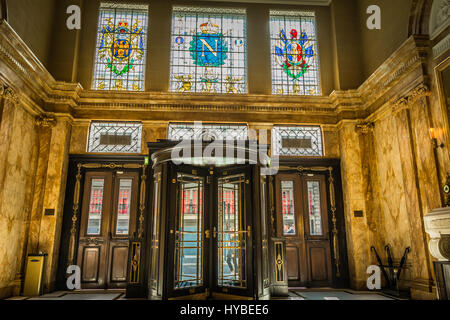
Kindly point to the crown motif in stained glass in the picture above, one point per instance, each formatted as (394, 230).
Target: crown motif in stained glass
(208, 47)
(209, 28)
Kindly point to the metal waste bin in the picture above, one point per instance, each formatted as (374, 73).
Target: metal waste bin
(34, 275)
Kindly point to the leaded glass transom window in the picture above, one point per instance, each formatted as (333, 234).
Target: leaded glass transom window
(115, 137)
(121, 47)
(297, 141)
(295, 58)
(208, 50)
(206, 132)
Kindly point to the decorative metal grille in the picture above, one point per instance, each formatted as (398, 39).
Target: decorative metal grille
(295, 58)
(207, 132)
(115, 137)
(208, 50)
(121, 47)
(297, 141)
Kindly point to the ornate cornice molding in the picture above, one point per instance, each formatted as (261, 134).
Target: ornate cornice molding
(45, 122)
(7, 93)
(408, 59)
(406, 101)
(364, 128)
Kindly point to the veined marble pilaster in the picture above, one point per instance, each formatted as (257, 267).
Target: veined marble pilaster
(374, 218)
(354, 199)
(53, 196)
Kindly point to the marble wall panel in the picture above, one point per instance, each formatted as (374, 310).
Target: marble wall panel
(79, 136)
(18, 167)
(331, 143)
(392, 196)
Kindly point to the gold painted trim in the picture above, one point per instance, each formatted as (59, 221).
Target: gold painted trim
(135, 262)
(334, 220)
(76, 202)
(142, 201)
(279, 262)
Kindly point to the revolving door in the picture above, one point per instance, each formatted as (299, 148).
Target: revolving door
(209, 237)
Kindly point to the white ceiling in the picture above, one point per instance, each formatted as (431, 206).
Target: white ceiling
(295, 2)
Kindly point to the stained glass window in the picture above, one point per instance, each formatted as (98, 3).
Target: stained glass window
(297, 141)
(121, 47)
(115, 137)
(197, 131)
(295, 59)
(209, 50)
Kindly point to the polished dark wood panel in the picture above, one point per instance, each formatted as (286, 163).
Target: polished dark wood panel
(119, 263)
(91, 262)
(308, 254)
(293, 267)
(103, 251)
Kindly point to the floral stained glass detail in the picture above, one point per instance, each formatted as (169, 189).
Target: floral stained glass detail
(121, 47)
(208, 50)
(295, 65)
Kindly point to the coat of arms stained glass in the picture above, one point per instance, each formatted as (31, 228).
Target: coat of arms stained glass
(121, 47)
(208, 52)
(295, 65)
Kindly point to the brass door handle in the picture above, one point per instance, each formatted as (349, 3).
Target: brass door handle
(249, 231)
(215, 233)
(207, 234)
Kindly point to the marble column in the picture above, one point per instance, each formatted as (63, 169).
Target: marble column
(53, 194)
(374, 217)
(358, 242)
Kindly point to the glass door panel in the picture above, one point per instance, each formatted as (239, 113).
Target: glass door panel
(123, 207)
(314, 209)
(288, 208)
(95, 207)
(189, 227)
(231, 232)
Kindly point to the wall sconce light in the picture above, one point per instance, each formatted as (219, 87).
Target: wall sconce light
(434, 139)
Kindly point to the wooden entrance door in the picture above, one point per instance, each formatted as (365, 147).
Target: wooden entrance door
(108, 216)
(303, 222)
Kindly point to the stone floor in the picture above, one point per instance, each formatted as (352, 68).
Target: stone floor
(294, 294)
(332, 294)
